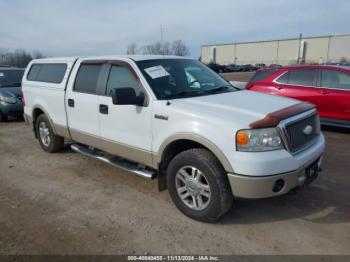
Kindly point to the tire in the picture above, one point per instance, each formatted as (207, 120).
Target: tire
(3, 117)
(48, 141)
(212, 179)
(21, 118)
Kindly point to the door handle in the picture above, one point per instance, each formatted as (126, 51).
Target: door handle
(71, 102)
(104, 109)
(278, 87)
(323, 92)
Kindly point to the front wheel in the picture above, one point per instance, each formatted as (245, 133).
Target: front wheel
(47, 139)
(198, 185)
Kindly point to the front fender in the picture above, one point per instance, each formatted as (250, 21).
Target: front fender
(198, 139)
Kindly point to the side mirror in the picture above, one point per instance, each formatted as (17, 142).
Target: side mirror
(127, 96)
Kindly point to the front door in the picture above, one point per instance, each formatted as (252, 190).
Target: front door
(299, 84)
(125, 129)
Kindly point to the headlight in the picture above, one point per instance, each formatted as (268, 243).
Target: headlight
(8, 100)
(257, 140)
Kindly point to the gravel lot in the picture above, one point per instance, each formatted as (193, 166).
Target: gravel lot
(66, 203)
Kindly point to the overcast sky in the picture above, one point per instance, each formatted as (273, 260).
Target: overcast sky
(92, 27)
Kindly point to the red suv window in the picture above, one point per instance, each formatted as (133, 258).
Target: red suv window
(263, 75)
(335, 79)
(301, 77)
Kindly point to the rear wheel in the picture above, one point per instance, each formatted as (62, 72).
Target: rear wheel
(47, 139)
(198, 185)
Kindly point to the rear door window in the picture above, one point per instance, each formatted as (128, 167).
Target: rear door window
(335, 79)
(51, 73)
(87, 79)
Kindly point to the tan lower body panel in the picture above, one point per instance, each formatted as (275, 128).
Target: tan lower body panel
(58, 129)
(262, 187)
(61, 131)
(133, 154)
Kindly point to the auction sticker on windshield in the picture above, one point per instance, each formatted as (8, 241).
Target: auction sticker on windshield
(156, 72)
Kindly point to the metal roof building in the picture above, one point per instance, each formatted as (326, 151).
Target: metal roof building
(320, 49)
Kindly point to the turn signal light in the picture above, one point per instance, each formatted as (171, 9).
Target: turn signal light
(242, 138)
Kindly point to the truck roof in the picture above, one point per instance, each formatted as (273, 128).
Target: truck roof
(110, 57)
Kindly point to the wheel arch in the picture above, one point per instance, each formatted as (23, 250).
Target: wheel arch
(36, 112)
(182, 142)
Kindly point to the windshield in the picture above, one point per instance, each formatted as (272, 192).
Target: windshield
(11, 78)
(176, 78)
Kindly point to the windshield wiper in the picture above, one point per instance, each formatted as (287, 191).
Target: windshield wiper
(199, 92)
(220, 88)
(185, 93)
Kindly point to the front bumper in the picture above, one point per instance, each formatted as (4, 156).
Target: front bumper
(15, 110)
(259, 164)
(269, 186)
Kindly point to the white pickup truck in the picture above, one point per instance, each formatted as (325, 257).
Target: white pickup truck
(173, 118)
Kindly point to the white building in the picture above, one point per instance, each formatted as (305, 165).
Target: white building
(319, 49)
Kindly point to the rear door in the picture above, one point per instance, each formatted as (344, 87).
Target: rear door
(82, 103)
(334, 98)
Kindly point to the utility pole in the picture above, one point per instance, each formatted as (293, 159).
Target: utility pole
(162, 38)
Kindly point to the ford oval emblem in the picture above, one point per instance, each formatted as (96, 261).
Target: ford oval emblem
(307, 130)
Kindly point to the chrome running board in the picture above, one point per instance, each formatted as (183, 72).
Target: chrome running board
(114, 161)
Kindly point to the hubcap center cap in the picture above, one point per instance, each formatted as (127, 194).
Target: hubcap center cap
(193, 187)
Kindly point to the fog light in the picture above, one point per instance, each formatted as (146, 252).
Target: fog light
(279, 185)
(302, 179)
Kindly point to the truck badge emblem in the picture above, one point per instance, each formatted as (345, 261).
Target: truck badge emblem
(307, 130)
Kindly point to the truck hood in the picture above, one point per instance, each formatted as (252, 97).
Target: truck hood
(244, 107)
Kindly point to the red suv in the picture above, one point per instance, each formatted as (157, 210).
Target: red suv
(328, 87)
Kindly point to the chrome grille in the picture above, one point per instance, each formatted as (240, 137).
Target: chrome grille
(297, 132)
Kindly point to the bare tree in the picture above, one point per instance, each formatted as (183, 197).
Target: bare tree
(157, 48)
(19, 58)
(132, 49)
(37, 55)
(166, 48)
(152, 49)
(179, 48)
